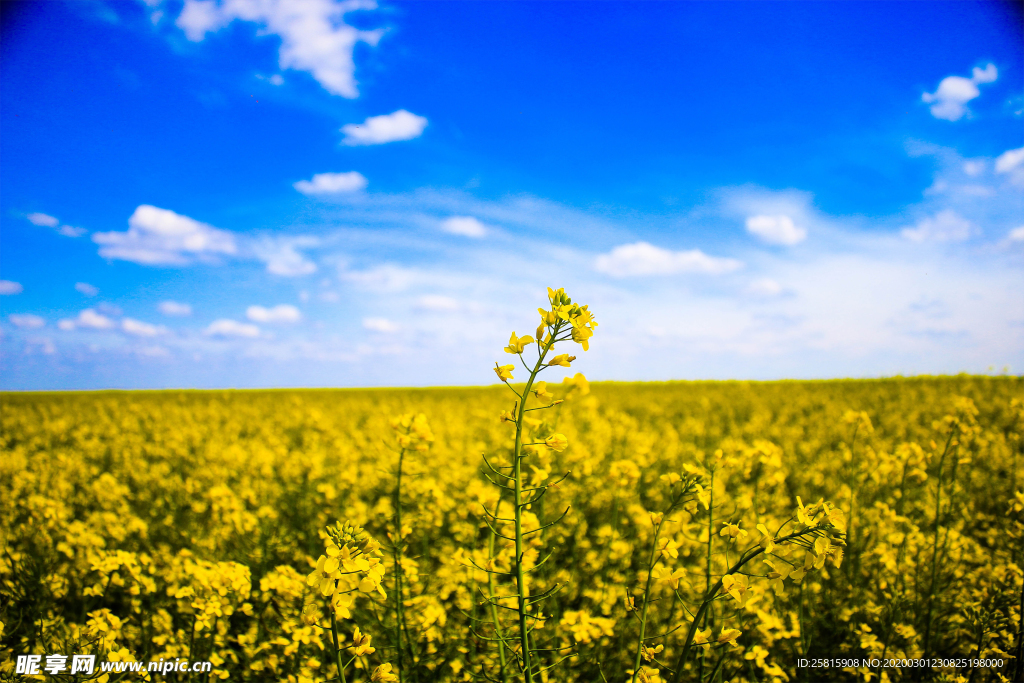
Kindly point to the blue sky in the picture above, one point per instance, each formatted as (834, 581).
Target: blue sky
(249, 193)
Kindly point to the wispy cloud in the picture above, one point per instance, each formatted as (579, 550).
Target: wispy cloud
(10, 287)
(86, 289)
(282, 313)
(141, 329)
(376, 130)
(89, 319)
(380, 325)
(225, 327)
(467, 226)
(945, 226)
(42, 219)
(174, 308)
(27, 320)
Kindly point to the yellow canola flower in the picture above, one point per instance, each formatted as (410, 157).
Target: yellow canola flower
(557, 442)
(702, 638)
(540, 390)
(504, 372)
(729, 636)
(703, 495)
(766, 541)
(776, 576)
(507, 416)
(578, 382)
(361, 643)
(649, 653)
(733, 531)
(668, 548)
(382, 674)
(736, 585)
(517, 344)
(562, 360)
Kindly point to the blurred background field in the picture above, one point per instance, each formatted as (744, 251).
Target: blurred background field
(165, 524)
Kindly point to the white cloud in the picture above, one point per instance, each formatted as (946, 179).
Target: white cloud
(314, 36)
(162, 237)
(776, 230)
(42, 219)
(141, 329)
(87, 289)
(954, 92)
(642, 258)
(69, 231)
(282, 313)
(1016, 235)
(88, 318)
(764, 287)
(26, 320)
(945, 226)
(466, 226)
(974, 168)
(331, 183)
(231, 328)
(282, 256)
(376, 130)
(174, 308)
(1009, 160)
(384, 278)
(437, 302)
(10, 287)
(276, 79)
(380, 325)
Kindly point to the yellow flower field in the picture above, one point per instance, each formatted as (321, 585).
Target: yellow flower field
(714, 530)
(132, 519)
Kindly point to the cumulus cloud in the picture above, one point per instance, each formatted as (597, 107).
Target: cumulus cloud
(642, 258)
(437, 302)
(87, 289)
(225, 327)
(1009, 160)
(162, 237)
(776, 230)
(332, 183)
(950, 100)
(43, 220)
(141, 329)
(945, 226)
(90, 319)
(282, 313)
(26, 320)
(314, 35)
(174, 308)
(1016, 235)
(283, 257)
(466, 226)
(376, 130)
(380, 325)
(10, 287)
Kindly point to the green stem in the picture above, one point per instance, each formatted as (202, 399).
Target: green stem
(521, 589)
(710, 596)
(397, 552)
(337, 648)
(935, 547)
(494, 608)
(647, 601)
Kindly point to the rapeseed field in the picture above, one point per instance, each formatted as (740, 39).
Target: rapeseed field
(540, 530)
